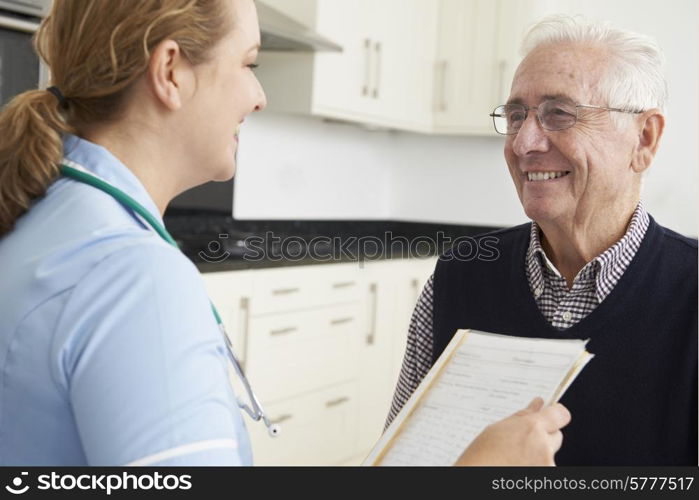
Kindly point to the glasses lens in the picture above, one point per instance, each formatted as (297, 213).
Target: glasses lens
(508, 119)
(558, 114)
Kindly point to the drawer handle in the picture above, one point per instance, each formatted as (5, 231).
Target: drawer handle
(377, 84)
(373, 290)
(341, 321)
(283, 331)
(336, 402)
(281, 418)
(367, 67)
(245, 310)
(344, 284)
(285, 291)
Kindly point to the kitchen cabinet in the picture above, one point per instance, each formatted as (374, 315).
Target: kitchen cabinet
(420, 65)
(468, 74)
(382, 77)
(322, 347)
(477, 55)
(318, 428)
(395, 287)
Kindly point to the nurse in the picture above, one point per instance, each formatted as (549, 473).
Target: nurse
(109, 352)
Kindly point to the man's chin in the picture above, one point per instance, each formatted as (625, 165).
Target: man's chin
(542, 211)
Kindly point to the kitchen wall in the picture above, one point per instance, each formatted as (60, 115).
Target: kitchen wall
(294, 167)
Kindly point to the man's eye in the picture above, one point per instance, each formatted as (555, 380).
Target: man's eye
(560, 112)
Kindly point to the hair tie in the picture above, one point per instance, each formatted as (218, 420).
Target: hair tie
(59, 95)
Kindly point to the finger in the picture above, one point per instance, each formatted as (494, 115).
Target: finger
(535, 405)
(555, 417)
(556, 441)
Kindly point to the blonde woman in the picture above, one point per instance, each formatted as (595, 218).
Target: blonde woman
(109, 351)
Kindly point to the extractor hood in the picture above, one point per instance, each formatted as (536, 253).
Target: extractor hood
(282, 33)
(279, 31)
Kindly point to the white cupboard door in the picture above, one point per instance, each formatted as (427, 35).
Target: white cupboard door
(468, 76)
(318, 428)
(403, 46)
(375, 376)
(296, 352)
(342, 81)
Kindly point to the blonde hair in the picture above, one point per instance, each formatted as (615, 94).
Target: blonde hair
(96, 51)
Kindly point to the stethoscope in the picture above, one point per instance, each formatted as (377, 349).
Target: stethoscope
(80, 174)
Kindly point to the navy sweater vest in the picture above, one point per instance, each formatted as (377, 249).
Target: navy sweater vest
(635, 403)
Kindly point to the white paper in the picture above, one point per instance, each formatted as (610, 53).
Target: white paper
(489, 377)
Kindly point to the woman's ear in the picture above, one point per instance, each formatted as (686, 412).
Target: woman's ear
(652, 124)
(170, 76)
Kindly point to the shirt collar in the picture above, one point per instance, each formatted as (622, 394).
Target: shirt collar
(102, 163)
(614, 261)
(607, 267)
(536, 260)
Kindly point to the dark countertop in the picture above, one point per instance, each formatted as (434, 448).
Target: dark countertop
(215, 242)
(242, 264)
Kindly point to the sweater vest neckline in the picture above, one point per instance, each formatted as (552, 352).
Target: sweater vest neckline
(596, 319)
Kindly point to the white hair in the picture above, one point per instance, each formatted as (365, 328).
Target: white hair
(634, 79)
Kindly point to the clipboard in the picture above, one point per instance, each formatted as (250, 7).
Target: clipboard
(577, 359)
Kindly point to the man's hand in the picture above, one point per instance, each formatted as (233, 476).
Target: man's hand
(529, 437)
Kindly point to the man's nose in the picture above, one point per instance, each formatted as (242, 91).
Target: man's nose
(531, 138)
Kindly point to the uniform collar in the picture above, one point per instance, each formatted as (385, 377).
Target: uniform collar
(99, 161)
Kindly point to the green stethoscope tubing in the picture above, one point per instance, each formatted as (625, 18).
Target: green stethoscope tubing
(256, 412)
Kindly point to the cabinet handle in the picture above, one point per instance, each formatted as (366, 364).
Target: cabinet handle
(283, 331)
(443, 86)
(336, 402)
(245, 309)
(371, 337)
(285, 291)
(377, 83)
(345, 284)
(415, 284)
(502, 68)
(341, 321)
(367, 67)
(281, 418)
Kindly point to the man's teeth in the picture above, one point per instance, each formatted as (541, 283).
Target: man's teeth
(544, 176)
(237, 129)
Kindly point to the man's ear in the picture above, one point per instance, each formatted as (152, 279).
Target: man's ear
(170, 76)
(652, 124)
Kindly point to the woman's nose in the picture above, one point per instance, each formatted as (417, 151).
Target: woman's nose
(261, 99)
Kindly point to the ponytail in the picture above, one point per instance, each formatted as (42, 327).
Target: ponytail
(31, 149)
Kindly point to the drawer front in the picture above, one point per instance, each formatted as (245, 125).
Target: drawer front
(282, 290)
(293, 353)
(316, 429)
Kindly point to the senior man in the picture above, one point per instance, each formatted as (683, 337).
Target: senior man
(582, 125)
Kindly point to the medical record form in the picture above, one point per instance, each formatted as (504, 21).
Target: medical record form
(480, 378)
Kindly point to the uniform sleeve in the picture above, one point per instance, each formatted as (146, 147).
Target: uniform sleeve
(418, 354)
(145, 368)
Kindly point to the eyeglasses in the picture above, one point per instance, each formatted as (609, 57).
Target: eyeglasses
(553, 114)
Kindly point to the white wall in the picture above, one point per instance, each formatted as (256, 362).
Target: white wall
(302, 168)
